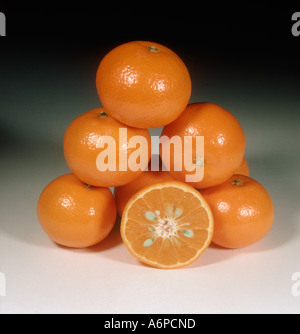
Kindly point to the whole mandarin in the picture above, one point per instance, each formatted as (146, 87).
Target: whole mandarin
(74, 214)
(243, 211)
(143, 84)
(224, 144)
(103, 152)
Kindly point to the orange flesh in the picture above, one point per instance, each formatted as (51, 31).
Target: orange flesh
(167, 225)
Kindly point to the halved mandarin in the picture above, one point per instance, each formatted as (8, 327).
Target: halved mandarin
(167, 225)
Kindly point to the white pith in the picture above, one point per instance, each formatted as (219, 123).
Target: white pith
(168, 226)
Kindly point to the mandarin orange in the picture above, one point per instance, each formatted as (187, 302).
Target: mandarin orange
(224, 144)
(74, 214)
(167, 225)
(103, 152)
(143, 84)
(243, 211)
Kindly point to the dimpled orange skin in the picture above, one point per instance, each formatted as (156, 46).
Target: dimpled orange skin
(74, 215)
(224, 142)
(147, 178)
(143, 84)
(243, 211)
(81, 153)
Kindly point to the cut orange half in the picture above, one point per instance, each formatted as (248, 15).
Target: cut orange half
(167, 225)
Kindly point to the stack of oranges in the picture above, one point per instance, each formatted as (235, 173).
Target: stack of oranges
(167, 219)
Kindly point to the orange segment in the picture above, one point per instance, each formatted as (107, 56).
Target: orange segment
(167, 225)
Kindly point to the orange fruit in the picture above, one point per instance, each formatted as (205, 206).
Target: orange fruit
(243, 211)
(167, 225)
(224, 144)
(94, 144)
(74, 214)
(147, 178)
(143, 84)
(244, 168)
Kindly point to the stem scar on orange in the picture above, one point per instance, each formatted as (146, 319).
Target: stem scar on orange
(243, 211)
(143, 84)
(224, 143)
(74, 214)
(167, 225)
(86, 140)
